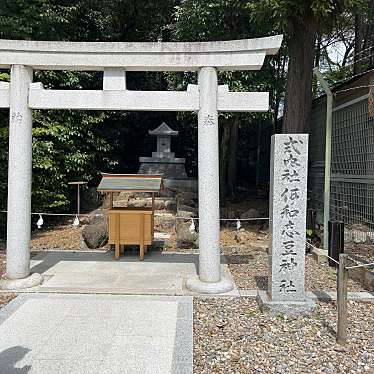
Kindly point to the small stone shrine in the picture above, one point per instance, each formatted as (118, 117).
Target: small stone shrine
(288, 196)
(163, 161)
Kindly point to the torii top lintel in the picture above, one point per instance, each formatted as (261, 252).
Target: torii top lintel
(245, 54)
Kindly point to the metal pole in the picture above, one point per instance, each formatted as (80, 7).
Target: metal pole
(78, 200)
(341, 336)
(336, 241)
(326, 202)
(258, 154)
(78, 184)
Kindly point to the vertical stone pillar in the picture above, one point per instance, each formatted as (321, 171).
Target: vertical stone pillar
(210, 280)
(287, 207)
(114, 79)
(208, 172)
(19, 181)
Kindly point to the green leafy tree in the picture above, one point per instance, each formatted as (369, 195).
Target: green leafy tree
(227, 20)
(300, 21)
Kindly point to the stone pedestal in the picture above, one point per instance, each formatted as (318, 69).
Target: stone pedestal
(163, 161)
(291, 308)
(288, 194)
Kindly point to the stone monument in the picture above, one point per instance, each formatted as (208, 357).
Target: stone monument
(163, 161)
(288, 193)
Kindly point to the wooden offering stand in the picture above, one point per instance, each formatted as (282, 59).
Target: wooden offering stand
(130, 226)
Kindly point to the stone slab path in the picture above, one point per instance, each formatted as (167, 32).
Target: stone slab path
(106, 334)
(98, 273)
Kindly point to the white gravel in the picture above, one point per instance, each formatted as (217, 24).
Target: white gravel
(233, 336)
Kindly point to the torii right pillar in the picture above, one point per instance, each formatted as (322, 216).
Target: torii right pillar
(210, 279)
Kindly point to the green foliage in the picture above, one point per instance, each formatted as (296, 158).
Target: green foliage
(227, 20)
(70, 145)
(284, 13)
(66, 147)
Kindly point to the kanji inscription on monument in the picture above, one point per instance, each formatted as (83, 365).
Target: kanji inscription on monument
(288, 196)
(288, 215)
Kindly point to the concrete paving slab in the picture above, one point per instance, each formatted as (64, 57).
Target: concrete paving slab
(98, 273)
(183, 342)
(74, 334)
(30, 334)
(146, 327)
(182, 368)
(64, 367)
(143, 354)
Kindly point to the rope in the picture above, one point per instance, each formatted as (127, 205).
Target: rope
(360, 266)
(352, 88)
(178, 217)
(227, 219)
(53, 214)
(354, 62)
(332, 259)
(364, 50)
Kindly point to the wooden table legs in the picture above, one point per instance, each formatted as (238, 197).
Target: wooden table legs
(141, 244)
(117, 251)
(138, 237)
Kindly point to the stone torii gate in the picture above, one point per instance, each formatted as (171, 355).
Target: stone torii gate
(21, 96)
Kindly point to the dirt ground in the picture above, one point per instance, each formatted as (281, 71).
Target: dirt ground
(364, 252)
(4, 297)
(245, 250)
(60, 237)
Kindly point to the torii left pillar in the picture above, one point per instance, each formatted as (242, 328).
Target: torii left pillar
(19, 183)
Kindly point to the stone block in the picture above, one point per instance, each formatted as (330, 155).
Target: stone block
(292, 308)
(164, 221)
(95, 234)
(363, 275)
(185, 237)
(170, 205)
(138, 203)
(168, 192)
(187, 208)
(320, 255)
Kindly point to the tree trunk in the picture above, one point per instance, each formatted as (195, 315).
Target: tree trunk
(231, 164)
(298, 100)
(281, 65)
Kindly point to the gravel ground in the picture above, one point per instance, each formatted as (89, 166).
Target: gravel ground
(250, 272)
(231, 335)
(248, 262)
(4, 297)
(364, 252)
(245, 250)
